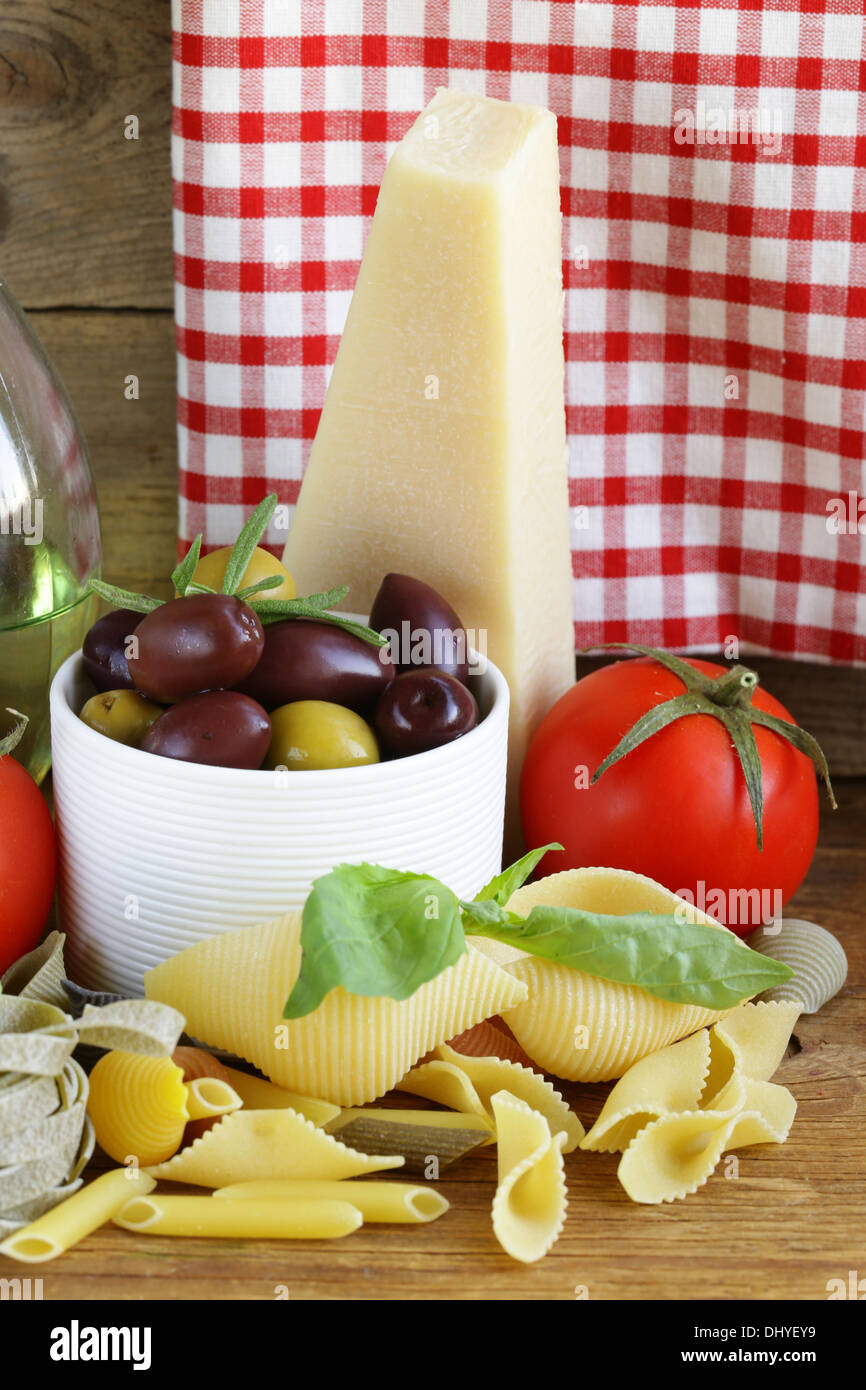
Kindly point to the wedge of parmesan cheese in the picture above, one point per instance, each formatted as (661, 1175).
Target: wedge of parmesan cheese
(441, 447)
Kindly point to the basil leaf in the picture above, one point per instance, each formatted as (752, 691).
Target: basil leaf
(124, 598)
(181, 577)
(376, 932)
(503, 885)
(683, 962)
(248, 539)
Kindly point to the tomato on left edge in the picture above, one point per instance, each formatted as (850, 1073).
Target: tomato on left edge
(28, 862)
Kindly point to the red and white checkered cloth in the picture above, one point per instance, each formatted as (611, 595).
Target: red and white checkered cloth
(715, 292)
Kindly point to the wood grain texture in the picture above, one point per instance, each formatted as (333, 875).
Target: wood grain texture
(792, 1220)
(132, 443)
(85, 213)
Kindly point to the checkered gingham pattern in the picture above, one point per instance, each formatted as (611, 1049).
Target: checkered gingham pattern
(715, 290)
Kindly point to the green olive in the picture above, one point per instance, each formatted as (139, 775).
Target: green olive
(123, 715)
(309, 735)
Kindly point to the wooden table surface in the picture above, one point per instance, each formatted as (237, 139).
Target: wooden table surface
(793, 1219)
(85, 220)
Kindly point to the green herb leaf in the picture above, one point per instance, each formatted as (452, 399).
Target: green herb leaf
(683, 962)
(242, 550)
(182, 576)
(124, 598)
(11, 740)
(275, 610)
(503, 885)
(328, 599)
(271, 581)
(375, 932)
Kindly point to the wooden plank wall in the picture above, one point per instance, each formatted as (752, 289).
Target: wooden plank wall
(85, 244)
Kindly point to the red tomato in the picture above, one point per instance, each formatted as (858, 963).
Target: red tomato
(676, 808)
(28, 862)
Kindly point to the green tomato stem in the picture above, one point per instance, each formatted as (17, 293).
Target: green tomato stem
(728, 698)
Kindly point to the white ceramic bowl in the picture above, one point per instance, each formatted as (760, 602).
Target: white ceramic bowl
(157, 854)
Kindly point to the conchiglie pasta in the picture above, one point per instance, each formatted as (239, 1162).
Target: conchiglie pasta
(138, 1106)
(232, 990)
(578, 1026)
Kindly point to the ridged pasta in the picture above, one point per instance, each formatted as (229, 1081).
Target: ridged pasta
(138, 1106)
(232, 989)
(578, 1026)
(817, 959)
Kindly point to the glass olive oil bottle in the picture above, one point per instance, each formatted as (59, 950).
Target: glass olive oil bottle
(49, 532)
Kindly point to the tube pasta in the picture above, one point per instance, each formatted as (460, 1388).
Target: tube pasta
(676, 1112)
(468, 1083)
(138, 1106)
(65, 1225)
(578, 1026)
(419, 1135)
(377, 1201)
(267, 1144)
(232, 989)
(195, 1062)
(207, 1096)
(259, 1094)
(530, 1204)
(244, 1218)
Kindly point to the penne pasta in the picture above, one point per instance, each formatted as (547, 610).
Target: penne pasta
(207, 1096)
(82, 1213)
(239, 1218)
(194, 1061)
(259, 1094)
(377, 1201)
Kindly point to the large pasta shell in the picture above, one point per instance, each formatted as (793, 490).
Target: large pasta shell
(232, 989)
(578, 1026)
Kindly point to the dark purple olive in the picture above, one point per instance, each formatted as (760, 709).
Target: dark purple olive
(305, 660)
(423, 628)
(104, 650)
(421, 710)
(204, 642)
(220, 728)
